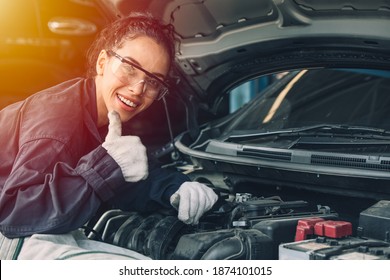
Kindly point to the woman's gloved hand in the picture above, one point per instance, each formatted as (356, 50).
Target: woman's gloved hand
(192, 200)
(127, 151)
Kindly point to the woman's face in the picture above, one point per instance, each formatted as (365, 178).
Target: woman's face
(115, 90)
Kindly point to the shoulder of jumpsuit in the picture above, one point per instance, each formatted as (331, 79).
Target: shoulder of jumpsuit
(58, 112)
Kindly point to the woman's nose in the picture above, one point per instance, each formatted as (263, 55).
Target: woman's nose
(138, 88)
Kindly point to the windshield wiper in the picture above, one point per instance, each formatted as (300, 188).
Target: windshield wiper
(320, 129)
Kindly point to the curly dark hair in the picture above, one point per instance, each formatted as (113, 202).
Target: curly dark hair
(129, 27)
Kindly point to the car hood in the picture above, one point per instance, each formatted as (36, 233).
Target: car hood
(224, 42)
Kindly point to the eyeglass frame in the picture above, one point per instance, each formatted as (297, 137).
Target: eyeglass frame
(147, 73)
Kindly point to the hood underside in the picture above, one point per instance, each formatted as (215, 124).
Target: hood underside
(248, 37)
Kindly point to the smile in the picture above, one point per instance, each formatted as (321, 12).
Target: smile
(127, 101)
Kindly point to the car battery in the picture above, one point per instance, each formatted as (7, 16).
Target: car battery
(320, 227)
(320, 239)
(278, 219)
(323, 248)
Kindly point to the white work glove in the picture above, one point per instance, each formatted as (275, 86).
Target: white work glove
(192, 200)
(127, 151)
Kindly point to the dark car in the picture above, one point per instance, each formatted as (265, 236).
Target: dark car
(282, 108)
(42, 43)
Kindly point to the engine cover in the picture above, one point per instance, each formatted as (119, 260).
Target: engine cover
(246, 228)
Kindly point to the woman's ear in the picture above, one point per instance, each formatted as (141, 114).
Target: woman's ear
(101, 62)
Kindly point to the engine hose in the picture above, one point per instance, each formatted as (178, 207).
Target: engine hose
(229, 248)
(162, 236)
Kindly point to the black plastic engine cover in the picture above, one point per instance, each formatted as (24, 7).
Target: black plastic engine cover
(374, 222)
(224, 244)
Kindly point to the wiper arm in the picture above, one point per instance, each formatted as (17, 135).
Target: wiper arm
(356, 131)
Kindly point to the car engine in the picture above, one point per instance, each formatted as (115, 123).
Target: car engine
(246, 225)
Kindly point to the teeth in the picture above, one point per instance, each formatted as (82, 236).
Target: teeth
(127, 101)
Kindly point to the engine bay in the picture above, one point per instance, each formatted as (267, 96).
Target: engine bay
(257, 221)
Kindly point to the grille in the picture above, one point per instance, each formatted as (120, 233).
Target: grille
(285, 156)
(349, 162)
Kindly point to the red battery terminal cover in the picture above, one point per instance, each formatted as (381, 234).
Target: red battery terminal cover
(333, 229)
(305, 227)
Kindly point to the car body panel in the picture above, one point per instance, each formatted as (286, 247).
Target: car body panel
(34, 54)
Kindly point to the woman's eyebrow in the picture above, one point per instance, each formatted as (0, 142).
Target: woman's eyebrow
(132, 60)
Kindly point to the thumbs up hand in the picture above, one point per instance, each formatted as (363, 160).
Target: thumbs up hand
(127, 151)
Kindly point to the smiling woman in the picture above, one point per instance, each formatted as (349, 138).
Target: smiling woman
(131, 94)
(311, 147)
(65, 155)
(128, 72)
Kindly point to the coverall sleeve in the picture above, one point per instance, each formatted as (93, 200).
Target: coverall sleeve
(44, 194)
(150, 194)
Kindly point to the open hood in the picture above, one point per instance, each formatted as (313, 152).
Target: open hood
(225, 42)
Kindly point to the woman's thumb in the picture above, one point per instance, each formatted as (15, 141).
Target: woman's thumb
(114, 126)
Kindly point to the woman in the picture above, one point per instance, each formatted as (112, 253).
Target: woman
(63, 154)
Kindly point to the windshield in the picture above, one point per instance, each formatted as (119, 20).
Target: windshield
(316, 117)
(308, 98)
